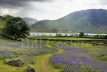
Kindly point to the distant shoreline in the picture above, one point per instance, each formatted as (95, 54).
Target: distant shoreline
(54, 34)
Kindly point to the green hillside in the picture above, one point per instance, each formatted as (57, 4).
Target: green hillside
(2, 22)
(90, 21)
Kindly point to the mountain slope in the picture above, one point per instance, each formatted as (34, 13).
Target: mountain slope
(30, 21)
(0, 16)
(91, 21)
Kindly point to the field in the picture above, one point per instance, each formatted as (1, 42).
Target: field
(61, 38)
(54, 56)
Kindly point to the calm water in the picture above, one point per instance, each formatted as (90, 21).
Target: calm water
(49, 34)
(54, 34)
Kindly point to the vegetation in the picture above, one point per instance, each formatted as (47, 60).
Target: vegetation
(2, 23)
(100, 36)
(30, 54)
(3, 20)
(89, 21)
(58, 35)
(38, 55)
(81, 34)
(16, 28)
(83, 57)
(61, 38)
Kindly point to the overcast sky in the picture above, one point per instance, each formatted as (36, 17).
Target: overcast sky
(47, 9)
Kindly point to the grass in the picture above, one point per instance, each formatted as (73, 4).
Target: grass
(83, 68)
(43, 65)
(41, 62)
(4, 68)
(61, 38)
(93, 50)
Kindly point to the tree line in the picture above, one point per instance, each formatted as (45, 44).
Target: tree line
(100, 36)
(81, 34)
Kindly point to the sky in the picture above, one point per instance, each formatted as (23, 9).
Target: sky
(47, 9)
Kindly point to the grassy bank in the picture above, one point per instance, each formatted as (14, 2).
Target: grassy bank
(62, 38)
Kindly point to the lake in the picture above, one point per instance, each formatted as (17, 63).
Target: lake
(48, 34)
(54, 34)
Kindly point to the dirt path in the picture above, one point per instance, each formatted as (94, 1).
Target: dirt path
(43, 65)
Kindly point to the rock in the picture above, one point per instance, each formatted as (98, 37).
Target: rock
(31, 69)
(14, 62)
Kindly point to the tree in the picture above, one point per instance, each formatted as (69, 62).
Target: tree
(58, 35)
(6, 17)
(66, 35)
(105, 37)
(16, 27)
(81, 34)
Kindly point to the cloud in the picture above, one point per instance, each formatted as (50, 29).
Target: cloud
(19, 7)
(47, 9)
(34, 0)
(103, 2)
(12, 4)
(19, 3)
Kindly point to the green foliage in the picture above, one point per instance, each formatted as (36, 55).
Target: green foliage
(89, 21)
(66, 35)
(81, 34)
(2, 23)
(3, 20)
(100, 37)
(7, 16)
(58, 66)
(16, 27)
(61, 38)
(76, 35)
(58, 35)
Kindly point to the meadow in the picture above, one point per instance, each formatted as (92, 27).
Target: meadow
(80, 57)
(62, 38)
(26, 50)
(53, 56)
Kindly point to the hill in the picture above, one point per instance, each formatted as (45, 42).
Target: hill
(0, 16)
(89, 21)
(30, 21)
(2, 22)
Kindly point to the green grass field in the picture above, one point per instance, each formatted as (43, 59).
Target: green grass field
(61, 38)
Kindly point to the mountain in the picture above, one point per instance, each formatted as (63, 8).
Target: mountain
(30, 21)
(0, 16)
(88, 21)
